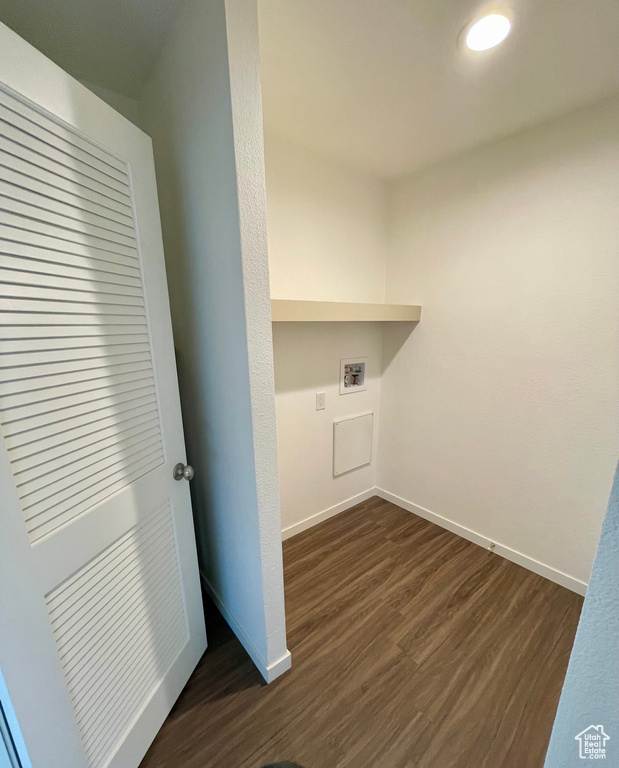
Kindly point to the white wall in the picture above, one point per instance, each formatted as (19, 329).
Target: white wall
(246, 98)
(327, 226)
(202, 109)
(307, 361)
(501, 410)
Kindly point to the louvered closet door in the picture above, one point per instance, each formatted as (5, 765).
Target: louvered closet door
(101, 621)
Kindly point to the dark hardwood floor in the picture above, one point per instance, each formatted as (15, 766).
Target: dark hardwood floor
(411, 648)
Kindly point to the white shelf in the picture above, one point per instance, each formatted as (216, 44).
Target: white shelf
(288, 311)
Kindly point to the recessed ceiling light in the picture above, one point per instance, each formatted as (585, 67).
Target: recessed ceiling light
(487, 32)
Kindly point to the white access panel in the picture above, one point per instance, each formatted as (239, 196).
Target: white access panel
(352, 442)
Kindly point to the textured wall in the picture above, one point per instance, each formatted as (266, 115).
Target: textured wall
(591, 690)
(244, 59)
(201, 107)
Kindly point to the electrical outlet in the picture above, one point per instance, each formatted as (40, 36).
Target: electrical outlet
(320, 401)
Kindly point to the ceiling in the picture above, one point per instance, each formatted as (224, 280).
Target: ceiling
(111, 43)
(384, 84)
(378, 84)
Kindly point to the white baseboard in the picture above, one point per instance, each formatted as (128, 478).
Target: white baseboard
(519, 558)
(547, 571)
(268, 671)
(319, 517)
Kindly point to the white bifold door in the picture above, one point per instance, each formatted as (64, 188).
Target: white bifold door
(101, 618)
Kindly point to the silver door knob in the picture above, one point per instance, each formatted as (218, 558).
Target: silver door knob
(181, 471)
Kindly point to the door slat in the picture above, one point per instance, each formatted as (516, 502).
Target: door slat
(63, 132)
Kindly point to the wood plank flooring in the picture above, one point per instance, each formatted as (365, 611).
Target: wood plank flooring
(411, 648)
